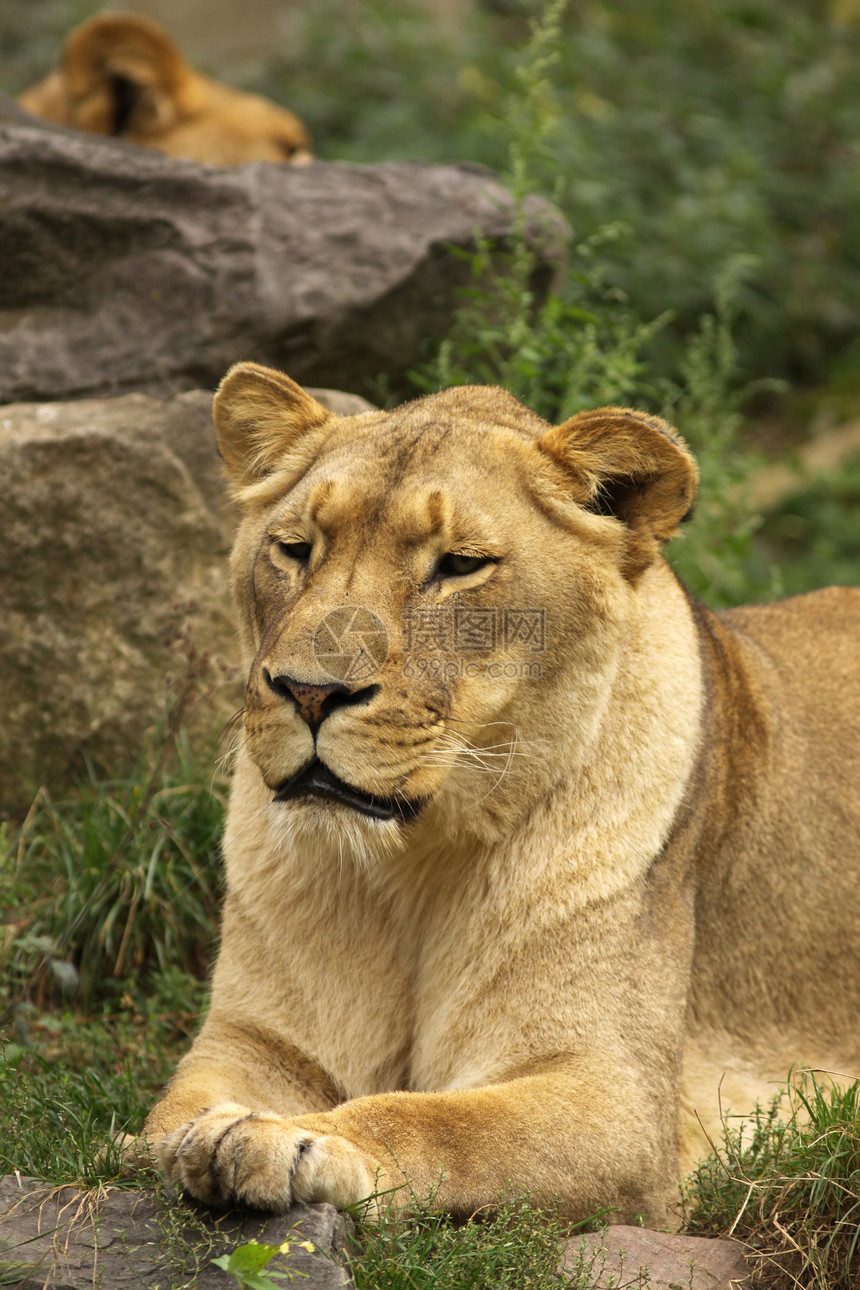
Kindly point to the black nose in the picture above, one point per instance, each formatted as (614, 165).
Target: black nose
(315, 702)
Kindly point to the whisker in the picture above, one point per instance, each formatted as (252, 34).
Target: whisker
(504, 772)
(482, 752)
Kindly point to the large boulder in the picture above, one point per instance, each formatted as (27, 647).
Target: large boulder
(126, 270)
(114, 599)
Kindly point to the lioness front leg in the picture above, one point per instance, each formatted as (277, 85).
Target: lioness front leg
(554, 1135)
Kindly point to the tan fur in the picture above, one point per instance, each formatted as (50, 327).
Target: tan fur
(633, 869)
(122, 75)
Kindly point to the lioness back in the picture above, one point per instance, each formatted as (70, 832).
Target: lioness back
(776, 978)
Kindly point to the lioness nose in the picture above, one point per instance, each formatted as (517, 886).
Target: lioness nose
(315, 702)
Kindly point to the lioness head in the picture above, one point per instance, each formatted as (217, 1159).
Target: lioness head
(422, 591)
(121, 75)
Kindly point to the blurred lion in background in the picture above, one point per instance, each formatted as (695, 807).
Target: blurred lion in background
(122, 76)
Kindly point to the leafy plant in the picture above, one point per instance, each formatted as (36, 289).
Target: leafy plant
(715, 556)
(575, 346)
(810, 539)
(250, 1264)
(705, 129)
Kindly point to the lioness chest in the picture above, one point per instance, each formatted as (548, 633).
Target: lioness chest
(386, 990)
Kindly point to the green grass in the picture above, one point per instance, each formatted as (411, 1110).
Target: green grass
(110, 902)
(789, 1188)
(70, 1078)
(121, 877)
(513, 1248)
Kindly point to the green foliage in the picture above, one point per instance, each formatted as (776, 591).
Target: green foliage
(714, 556)
(250, 1264)
(811, 539)
(561, 351)
(581, 346)
(578, 348)
(381, 80)
(708, 130)
(124, 876)
(790, 1187)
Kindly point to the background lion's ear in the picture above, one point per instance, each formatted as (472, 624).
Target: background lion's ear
(125, 77)
(629, 465)
(262, 417)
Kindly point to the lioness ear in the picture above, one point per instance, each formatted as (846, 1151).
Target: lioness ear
(125, 77)
(629, 465)
(262, 417)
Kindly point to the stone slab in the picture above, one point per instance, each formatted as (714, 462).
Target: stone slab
(637, 1256)
(62, 1238)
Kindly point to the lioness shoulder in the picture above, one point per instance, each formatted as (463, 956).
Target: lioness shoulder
(526, 851)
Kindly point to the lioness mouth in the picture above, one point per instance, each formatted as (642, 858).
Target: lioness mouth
(316, 780)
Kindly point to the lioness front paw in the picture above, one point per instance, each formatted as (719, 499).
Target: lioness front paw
(232, 1155)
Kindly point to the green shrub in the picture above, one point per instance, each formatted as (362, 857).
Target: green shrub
(709, 130)
(810, 539)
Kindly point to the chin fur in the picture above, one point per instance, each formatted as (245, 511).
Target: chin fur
(335, 832)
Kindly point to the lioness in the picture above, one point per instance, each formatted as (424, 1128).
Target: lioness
(122, 75)
(525, 848)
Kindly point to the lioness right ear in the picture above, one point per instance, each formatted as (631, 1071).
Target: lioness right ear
(264, 420)
(631, 466)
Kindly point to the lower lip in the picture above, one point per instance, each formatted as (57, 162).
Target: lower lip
(317, 784)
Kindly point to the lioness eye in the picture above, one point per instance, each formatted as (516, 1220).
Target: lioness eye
(300, 551)
(456, 566)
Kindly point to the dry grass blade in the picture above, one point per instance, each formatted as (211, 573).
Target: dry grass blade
(787, 1183)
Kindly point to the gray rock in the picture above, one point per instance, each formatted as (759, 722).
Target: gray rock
(123, 268)
(116, 529)
(116, 525)
(634, 1256)
(69, 1239)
